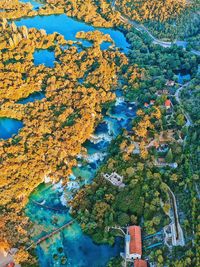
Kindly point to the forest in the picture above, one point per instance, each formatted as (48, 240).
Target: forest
(50, 139)
(76, 88)
(144, 199)
(98, 13)
(151, 10)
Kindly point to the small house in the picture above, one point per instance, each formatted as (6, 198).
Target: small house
(168, 104)
(170, 83)
(115, 179)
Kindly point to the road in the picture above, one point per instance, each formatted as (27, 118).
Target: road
(177, 97)
(177, 232)
(142, 28)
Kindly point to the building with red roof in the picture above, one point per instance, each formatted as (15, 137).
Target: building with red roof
(168, 104)
(140, 263)
(133, 246)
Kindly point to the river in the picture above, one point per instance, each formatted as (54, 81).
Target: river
(77, 247)
(72, 247)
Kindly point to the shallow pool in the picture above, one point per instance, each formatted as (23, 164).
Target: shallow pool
(32, 97)
(44, 56)
(9, 127)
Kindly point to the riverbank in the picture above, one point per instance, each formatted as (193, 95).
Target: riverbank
(62, 133)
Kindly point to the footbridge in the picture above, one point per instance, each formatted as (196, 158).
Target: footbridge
(47, 236)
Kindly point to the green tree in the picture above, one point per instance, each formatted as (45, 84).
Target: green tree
(180, 120)
(169, 156)
(123, 219)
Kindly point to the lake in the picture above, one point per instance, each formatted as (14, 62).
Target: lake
(71, 247)
(68, 27)
(9, 127)
(44, 56)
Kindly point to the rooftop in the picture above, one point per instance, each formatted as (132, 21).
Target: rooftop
(167, 103)
(140, 263)
(136, 241)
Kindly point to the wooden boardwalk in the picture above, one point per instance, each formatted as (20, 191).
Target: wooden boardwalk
(57, 230)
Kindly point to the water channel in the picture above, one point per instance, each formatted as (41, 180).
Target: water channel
(71, 247)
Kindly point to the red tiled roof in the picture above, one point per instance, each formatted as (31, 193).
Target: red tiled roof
(167, 103)
(136, 241)
(140, 263)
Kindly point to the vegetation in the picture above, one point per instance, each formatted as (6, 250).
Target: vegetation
(190, 99)
(151, 10)
(56, 127)
(50, 140)
(185, 26)
(144, 200)
(99, 13)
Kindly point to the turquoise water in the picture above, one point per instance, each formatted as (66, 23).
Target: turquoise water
(35, 4)
(9, 127)
(79, 251)
(71, 246)
(69, 27)
(44, 56)
(183, 78)
(31, 98)
(78, 248)
(105, 45)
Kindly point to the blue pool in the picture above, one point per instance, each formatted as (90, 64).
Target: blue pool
(31, 98)
(44, 56)
(9, 127)
(77, 248)
(34, 3)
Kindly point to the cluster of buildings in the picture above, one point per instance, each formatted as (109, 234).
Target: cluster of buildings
(133, 246)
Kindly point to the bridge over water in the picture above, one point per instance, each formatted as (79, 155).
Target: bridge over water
(55, 231)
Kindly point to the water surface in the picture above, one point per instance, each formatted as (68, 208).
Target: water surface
(44, 56)
(32, 98)
(68, 27)
(183, 77)
(34, 3)
(9, 127)
(76, 249)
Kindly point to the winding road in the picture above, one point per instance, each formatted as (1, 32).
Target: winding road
(177, 97)
(142, 28)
